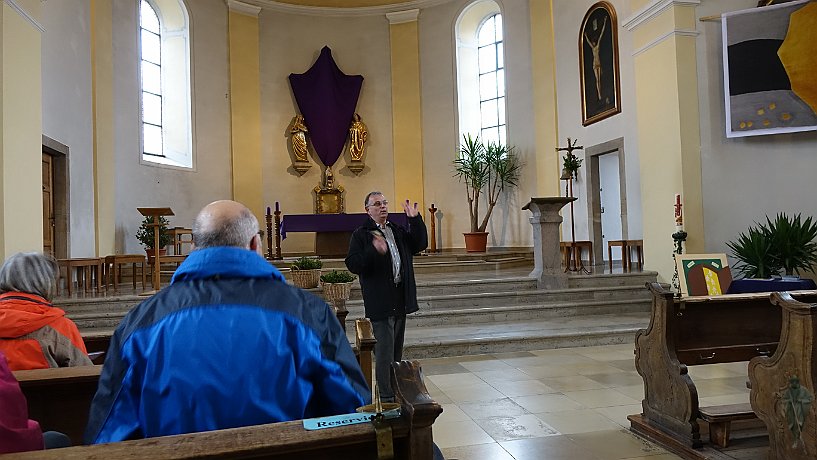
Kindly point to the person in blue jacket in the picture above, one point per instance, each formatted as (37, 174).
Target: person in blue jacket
(229, 343)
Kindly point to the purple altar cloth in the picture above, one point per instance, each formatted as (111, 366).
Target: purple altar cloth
(332, 222)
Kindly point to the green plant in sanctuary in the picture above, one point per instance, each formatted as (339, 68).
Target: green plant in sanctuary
(571, 163)
(485, 169)
(753, 250)
(793, 240)
(785, 243)
(306, 263)
(145, 233)
(338, 277)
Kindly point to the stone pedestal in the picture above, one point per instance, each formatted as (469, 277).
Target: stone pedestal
(547, 257)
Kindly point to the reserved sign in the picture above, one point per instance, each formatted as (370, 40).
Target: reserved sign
(345, 419)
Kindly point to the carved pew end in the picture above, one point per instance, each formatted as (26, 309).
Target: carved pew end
(720, 420)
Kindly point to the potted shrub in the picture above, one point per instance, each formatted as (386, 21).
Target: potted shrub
(146, 232)
(570, 166)
(337, 285)
(785, 243)
(306, 272)
(484, 169)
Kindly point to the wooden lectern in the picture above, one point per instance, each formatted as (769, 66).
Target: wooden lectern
(156, 213)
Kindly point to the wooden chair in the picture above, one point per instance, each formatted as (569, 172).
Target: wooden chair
(179, 240)
(624, 253)
(113, 268)
(638, 245)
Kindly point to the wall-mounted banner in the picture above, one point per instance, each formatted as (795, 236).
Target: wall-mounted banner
(769, 67)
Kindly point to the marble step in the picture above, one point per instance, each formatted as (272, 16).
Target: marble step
(592, 330)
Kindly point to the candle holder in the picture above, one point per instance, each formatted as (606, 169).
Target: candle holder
(678, 237)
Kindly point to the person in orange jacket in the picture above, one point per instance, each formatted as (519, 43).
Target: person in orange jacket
(33, 333)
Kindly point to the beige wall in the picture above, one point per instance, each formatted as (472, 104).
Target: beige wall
(21, 222)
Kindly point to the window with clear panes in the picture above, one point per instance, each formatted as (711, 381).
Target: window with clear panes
(490, 58)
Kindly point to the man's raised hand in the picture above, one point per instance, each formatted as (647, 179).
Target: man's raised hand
(411, 211)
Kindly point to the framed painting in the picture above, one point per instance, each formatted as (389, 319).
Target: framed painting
(703, 274)
(768, 69)
(598, 64)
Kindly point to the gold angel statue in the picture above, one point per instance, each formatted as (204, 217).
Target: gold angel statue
(357, 138)
(298, 139)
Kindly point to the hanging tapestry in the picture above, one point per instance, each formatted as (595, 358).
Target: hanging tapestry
(769, 66)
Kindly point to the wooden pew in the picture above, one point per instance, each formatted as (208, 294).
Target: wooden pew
(692, 331)
(59, 399)
(771, 376)
(411, 435)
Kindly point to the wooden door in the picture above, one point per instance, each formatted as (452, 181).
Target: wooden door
(48, 204)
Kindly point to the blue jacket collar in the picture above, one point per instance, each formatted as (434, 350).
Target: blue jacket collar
(226, 262)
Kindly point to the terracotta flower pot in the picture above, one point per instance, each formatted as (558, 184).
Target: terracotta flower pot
(476, 241)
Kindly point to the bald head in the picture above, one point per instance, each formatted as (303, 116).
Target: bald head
(226, 223)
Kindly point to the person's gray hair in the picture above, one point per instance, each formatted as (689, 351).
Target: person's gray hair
(234, 231)
(30, 272)
(366, 200)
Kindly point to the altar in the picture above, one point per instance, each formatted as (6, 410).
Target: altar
(332, 231)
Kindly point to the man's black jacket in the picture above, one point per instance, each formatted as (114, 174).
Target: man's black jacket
(380, 298)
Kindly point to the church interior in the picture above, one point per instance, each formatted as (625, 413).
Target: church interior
(142, 105)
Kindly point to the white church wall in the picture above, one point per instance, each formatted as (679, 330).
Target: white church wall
(290, 43)
(185, 191)
(568, 16)
(744, 179)
(509, 224)
(67, 111)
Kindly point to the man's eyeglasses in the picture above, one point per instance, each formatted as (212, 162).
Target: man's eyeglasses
(261, 233)
(378, 204)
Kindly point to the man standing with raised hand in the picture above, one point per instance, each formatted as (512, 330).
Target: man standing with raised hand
(380, 253)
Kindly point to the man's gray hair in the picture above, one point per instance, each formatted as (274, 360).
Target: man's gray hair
(233, 231)
(30, 272)
(366, 200)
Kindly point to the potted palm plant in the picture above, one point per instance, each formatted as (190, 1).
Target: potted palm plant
(145, 235)
(785, 243)
(485, 169)
(306, 272)
(337, 285)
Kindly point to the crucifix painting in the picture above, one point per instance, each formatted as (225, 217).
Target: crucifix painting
(598, 64)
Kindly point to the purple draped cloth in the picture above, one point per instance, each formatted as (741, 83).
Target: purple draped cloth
(332, 222)
(327, 99)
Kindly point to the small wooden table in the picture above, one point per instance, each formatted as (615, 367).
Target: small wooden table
(625, 253)
(179, 240)
(576, 249)
(87, 268)
(638, 245)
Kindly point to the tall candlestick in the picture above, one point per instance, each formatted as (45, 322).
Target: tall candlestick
(277, 208)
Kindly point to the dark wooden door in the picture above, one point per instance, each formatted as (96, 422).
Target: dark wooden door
(48, 204)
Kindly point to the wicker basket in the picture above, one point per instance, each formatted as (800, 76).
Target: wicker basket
(336, 291)
(306, 279)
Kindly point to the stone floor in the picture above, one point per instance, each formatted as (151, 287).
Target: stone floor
(568, 403)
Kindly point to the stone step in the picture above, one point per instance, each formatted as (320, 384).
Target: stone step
(517, 313)
(434, 342)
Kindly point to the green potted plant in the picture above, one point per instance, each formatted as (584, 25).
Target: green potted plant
(484, 169)
(337, 285)
(570, 165)
(145, 235)
(785, 243)
(306, 272)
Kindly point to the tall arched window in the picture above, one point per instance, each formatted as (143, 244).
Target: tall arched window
(491, 80)
(151, 57)
(481, 71)
(164, 54)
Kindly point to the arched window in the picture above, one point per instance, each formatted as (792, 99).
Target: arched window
(165, 83)
(481, 71)
(491, 80)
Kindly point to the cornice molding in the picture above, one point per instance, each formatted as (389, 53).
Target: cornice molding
(243, 8)
(653, 9)
(401, 17)
(25, 15)
(657, 40)
(272, 5)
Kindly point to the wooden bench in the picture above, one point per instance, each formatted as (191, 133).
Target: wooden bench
(692, 331)
(411, 435)
(771, 378)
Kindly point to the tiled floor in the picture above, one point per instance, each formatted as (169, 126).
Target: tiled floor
(568, 403)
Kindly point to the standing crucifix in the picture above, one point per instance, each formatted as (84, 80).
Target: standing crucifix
(574, 261)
